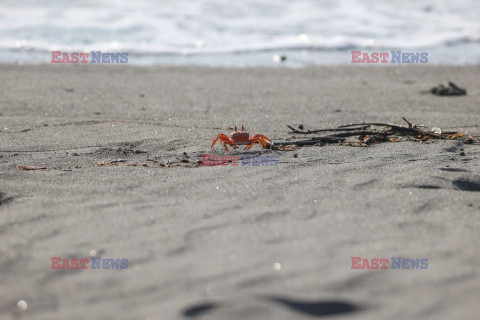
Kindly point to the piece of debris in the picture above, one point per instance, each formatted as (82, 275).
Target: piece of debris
(109, 163)
(283, 148)
(368, 133)
(27, 168)
(448, 89)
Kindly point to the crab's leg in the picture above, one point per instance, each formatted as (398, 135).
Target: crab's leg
(263, 141)
(265, 138)
(215, 141)
(225, 145)
(222, 137)
(250, 145)
(252, 141)
(224, 140)
(257, 138)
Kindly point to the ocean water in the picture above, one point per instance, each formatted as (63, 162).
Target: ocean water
(240, 33)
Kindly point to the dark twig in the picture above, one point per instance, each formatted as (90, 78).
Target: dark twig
(379, 124)
(312, 141)
(408, 122)
(324, 130)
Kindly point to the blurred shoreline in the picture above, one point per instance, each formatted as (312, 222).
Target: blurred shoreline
(245, 33)
(466, 54)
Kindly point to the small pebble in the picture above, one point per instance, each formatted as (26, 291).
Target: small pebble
(462, 154)
(93, 253)
(22, 305)
(295, 155)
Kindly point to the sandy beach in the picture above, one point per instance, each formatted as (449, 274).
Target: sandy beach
(235, 242)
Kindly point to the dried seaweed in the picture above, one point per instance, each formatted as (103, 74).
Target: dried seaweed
(367, 133)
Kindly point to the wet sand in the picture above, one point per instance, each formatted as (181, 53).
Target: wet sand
(234, 242)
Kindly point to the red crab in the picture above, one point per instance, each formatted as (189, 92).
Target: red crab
(241, 138)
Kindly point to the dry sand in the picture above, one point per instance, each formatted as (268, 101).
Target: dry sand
(234, 242)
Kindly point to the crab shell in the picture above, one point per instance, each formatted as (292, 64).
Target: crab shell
(240, 138)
